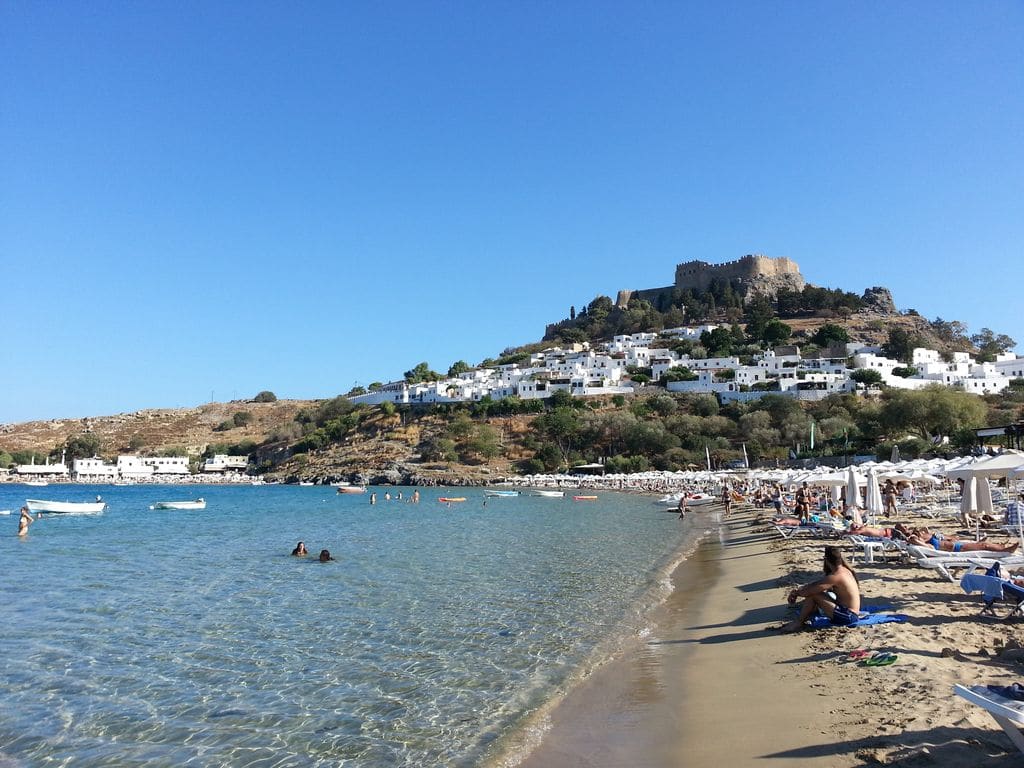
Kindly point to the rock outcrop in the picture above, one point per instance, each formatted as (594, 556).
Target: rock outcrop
(878, 299)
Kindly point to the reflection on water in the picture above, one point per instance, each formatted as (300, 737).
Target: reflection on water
(164, 637)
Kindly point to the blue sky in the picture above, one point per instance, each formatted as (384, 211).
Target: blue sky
(209, 199)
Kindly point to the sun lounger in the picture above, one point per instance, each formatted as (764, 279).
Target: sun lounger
(946, 562)
(1009, 713)
(915, 550)
(997, 593)
(810, 529)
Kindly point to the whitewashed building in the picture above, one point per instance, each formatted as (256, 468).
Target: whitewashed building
(223, 463)
(168, 465)
(93, 470)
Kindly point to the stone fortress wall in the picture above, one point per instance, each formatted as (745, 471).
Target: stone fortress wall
(755, 274)
(698, 275)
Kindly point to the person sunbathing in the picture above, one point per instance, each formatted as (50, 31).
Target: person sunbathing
(923, 537)
(898, 531)
(840, 580)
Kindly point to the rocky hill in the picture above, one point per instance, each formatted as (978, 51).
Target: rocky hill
(152, 431)
(385, 446)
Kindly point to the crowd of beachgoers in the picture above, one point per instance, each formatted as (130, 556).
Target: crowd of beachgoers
(931, 568)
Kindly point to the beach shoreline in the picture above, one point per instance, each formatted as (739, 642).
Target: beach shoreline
(711, 686)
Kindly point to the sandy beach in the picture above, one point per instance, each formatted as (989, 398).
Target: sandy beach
(711, 685)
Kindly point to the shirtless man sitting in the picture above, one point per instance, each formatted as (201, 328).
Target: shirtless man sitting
(839, 579)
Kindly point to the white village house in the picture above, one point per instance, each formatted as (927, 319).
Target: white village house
(583, 370)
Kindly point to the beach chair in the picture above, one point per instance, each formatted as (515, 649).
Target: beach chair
(999, 593)
(823, 528)
(870, 545)
(945, 563)
(1009, 713)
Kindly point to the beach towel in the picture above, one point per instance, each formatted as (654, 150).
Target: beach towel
(1015, 691)
(870, 614)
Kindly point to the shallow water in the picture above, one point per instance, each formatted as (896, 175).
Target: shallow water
(170, 638)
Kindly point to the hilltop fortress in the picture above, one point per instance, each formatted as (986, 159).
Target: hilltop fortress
(748, 276)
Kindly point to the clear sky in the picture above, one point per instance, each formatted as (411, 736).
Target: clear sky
(208, 199)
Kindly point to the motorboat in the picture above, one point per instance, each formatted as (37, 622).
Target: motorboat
(351, 489)
(501, 494)
(549, 494)
(67, 507)
(35, 483)
(196, 504)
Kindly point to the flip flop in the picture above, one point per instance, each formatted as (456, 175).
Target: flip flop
(881, 660)
(859, 654)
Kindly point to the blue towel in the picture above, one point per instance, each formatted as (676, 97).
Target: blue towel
(1015, 691)
(990, 586)
(866, 619)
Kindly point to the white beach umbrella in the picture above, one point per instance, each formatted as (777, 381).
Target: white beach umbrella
(853, 494)
(969, 498)
(873, 496)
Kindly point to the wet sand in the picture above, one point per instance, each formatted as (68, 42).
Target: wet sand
(712, 687)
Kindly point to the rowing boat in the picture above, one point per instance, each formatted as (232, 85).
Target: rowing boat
(197, 504)
(66, 507)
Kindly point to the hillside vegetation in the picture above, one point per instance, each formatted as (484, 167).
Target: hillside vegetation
(335, 440)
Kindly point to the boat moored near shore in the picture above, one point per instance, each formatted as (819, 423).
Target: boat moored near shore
(67, 507)
(197, 504)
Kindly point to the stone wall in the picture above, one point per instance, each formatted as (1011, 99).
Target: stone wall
(698, 275)
(750, 275)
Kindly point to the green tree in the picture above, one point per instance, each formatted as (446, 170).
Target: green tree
(775, 332)
(718, 342)
(901, 344)
(830, 334)
(266, 396)
(421, 372)
(241, 418)
(866, 376)
(483, 443)
(560, 427)
(930, 412)
(459, 366)
(989, 344)
(83, 446)
(679, 373)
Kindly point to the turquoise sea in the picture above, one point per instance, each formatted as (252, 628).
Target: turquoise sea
(171, 638)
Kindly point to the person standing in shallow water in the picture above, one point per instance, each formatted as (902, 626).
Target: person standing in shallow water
(300, 550)
(25, 521)
(325, 556)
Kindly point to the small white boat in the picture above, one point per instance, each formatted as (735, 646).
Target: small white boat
(549, 494)
(197, 504)
(351, 489)
(501, 494)
(66, 507)
(35, 483)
